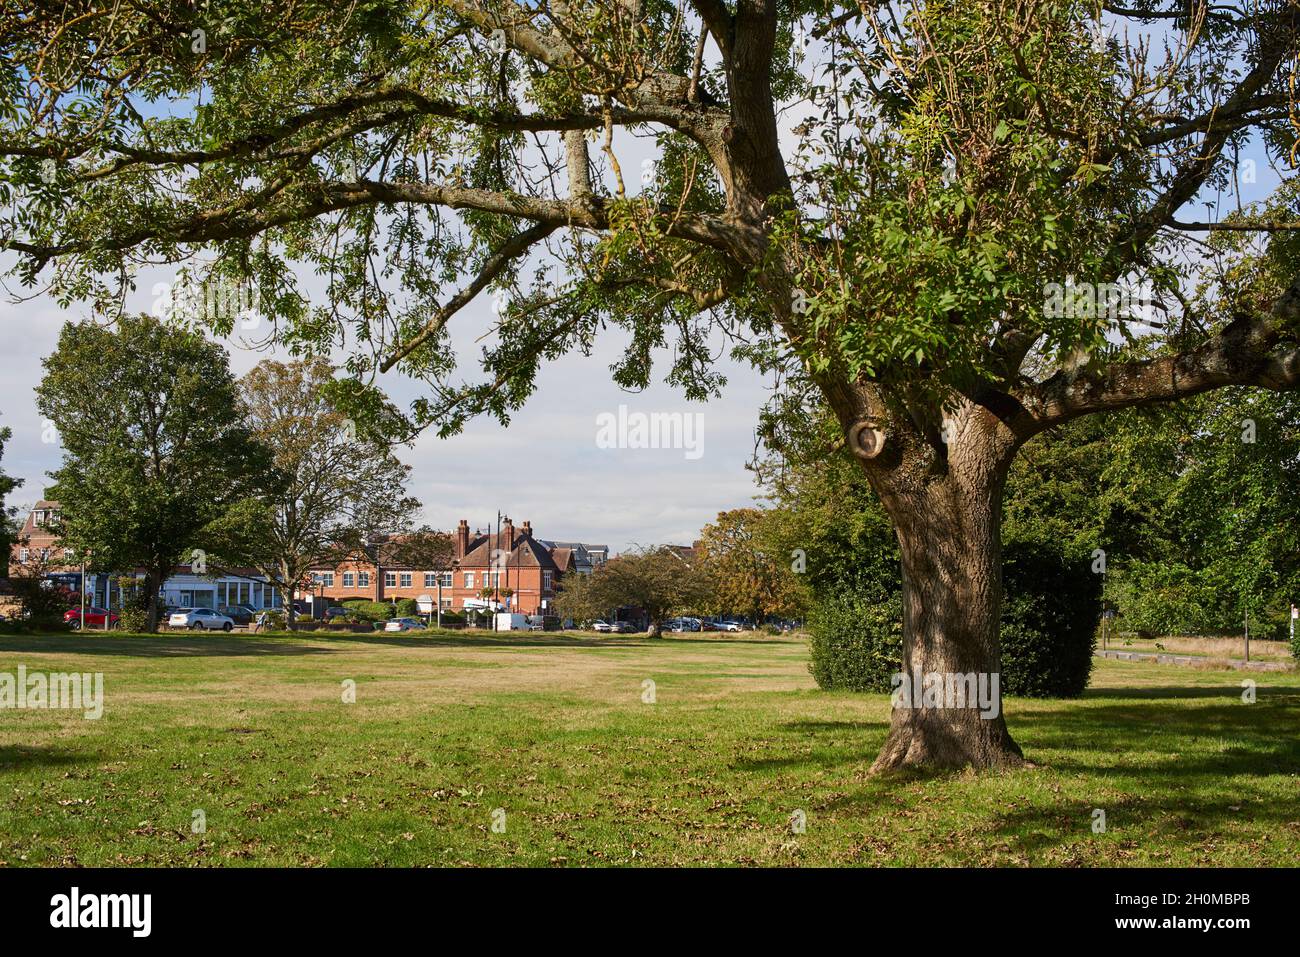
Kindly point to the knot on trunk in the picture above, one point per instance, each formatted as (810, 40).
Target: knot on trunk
(865, 440)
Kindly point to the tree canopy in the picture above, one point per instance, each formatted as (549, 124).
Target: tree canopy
(953, 161)
(331, 488)
(156, 452)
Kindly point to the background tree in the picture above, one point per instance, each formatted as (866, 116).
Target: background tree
(656, 580)
(9, 526)
(156, 451)
(747, 570)
(576, 599)
(903, 258)
(333, 487)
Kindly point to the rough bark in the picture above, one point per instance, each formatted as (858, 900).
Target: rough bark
(947, 517)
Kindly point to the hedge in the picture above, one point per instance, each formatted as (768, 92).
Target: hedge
(1050, 609)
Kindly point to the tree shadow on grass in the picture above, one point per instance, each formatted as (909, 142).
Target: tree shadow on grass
(835, 743)
(1230, 689)
(1262, 745)
(155, 646)
(18, 756)
(1167, 818)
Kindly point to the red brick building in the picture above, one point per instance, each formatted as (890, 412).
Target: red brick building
(519, 571)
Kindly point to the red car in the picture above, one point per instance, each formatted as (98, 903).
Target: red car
(94, 617)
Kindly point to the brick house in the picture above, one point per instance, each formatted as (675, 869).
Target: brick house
(521, 571)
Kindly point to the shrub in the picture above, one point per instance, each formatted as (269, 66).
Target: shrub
(1051, 606)
(43, 605)
(856, 641)
(134, 617)
(407, 608)
(365, 610)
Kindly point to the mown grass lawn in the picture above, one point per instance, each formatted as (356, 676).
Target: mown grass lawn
(554, 731)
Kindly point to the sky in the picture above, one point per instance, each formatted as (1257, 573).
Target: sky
(546, 467)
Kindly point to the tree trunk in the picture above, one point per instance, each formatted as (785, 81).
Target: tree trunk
(949, 533)
(152, 582)
(286, 595)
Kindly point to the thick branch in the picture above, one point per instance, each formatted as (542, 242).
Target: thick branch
(1251, 351)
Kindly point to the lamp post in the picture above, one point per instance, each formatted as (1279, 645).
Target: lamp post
(83, 589)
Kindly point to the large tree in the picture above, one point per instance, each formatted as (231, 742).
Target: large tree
(659, 580)
(747, 568)
(333, 487)
(902, 256)
(8, 513)
(156, 453)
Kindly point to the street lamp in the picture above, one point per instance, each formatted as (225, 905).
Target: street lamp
(83, 588)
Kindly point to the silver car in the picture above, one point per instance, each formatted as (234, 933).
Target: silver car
(200, 619)
(403, 624)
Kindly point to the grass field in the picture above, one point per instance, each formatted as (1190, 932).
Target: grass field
(253, 731)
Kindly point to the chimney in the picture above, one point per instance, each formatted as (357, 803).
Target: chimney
(462, 539)
(507, 534)
(528, 529)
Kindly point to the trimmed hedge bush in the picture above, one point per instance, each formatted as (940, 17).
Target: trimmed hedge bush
(856, 642)
(369, 610)
(1050, 608)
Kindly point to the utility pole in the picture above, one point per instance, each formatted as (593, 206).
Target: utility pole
(439, 599)
(1248, 634)
(83, 590)
(496, 574)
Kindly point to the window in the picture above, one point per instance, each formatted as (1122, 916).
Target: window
(546, 580)
(446, 579)
(349, 580)
(327, 579)
(430, 579)
(390, 579)
(22, 555)
(406, 579)
(363, 579)
(469, 579)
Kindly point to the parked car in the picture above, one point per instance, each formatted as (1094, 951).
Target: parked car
(196, 619)
(730, 626)
(622, 627)
(239, 614)
(684, 624)
(336, 611)
(94, 617)
(403, 624)
(602, 626)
